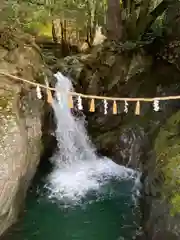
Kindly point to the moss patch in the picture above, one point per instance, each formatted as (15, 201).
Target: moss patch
(6, 103)
(167, 147)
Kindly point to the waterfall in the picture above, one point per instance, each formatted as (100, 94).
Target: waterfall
(77, 169)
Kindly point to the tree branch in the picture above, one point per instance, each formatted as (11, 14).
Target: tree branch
(142, 19)
(158, 11)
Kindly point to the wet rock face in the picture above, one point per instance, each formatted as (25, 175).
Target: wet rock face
(20, 126)
(133, 144)
(20, 152)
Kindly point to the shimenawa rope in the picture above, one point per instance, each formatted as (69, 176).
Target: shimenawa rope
(93, 96)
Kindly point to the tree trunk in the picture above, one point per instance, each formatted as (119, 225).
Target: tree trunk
(92, 8)
(114, 20)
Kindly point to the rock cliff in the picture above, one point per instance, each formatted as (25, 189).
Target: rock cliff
(20, 122)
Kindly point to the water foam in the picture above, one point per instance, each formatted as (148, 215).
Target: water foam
(77, 169)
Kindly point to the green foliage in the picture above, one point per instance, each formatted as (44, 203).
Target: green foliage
(176, 204)
(32, 15)
(159, 25)
(167, 146)
(23, 14)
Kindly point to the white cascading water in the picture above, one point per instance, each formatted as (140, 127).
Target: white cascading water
(77, 169)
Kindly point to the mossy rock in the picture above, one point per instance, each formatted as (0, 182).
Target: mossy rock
(7, 38)
(167, 147)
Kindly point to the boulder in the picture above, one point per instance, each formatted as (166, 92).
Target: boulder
(20, 122)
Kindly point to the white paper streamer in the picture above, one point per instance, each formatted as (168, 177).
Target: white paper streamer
(105, 107)
(38, 92)
(156, 105)
(80, 106)
(126, 106)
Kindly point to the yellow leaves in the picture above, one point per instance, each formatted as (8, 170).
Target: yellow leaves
(46, 30)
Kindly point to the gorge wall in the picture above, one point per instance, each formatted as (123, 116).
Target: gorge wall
(110, 69)
(20, 122)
